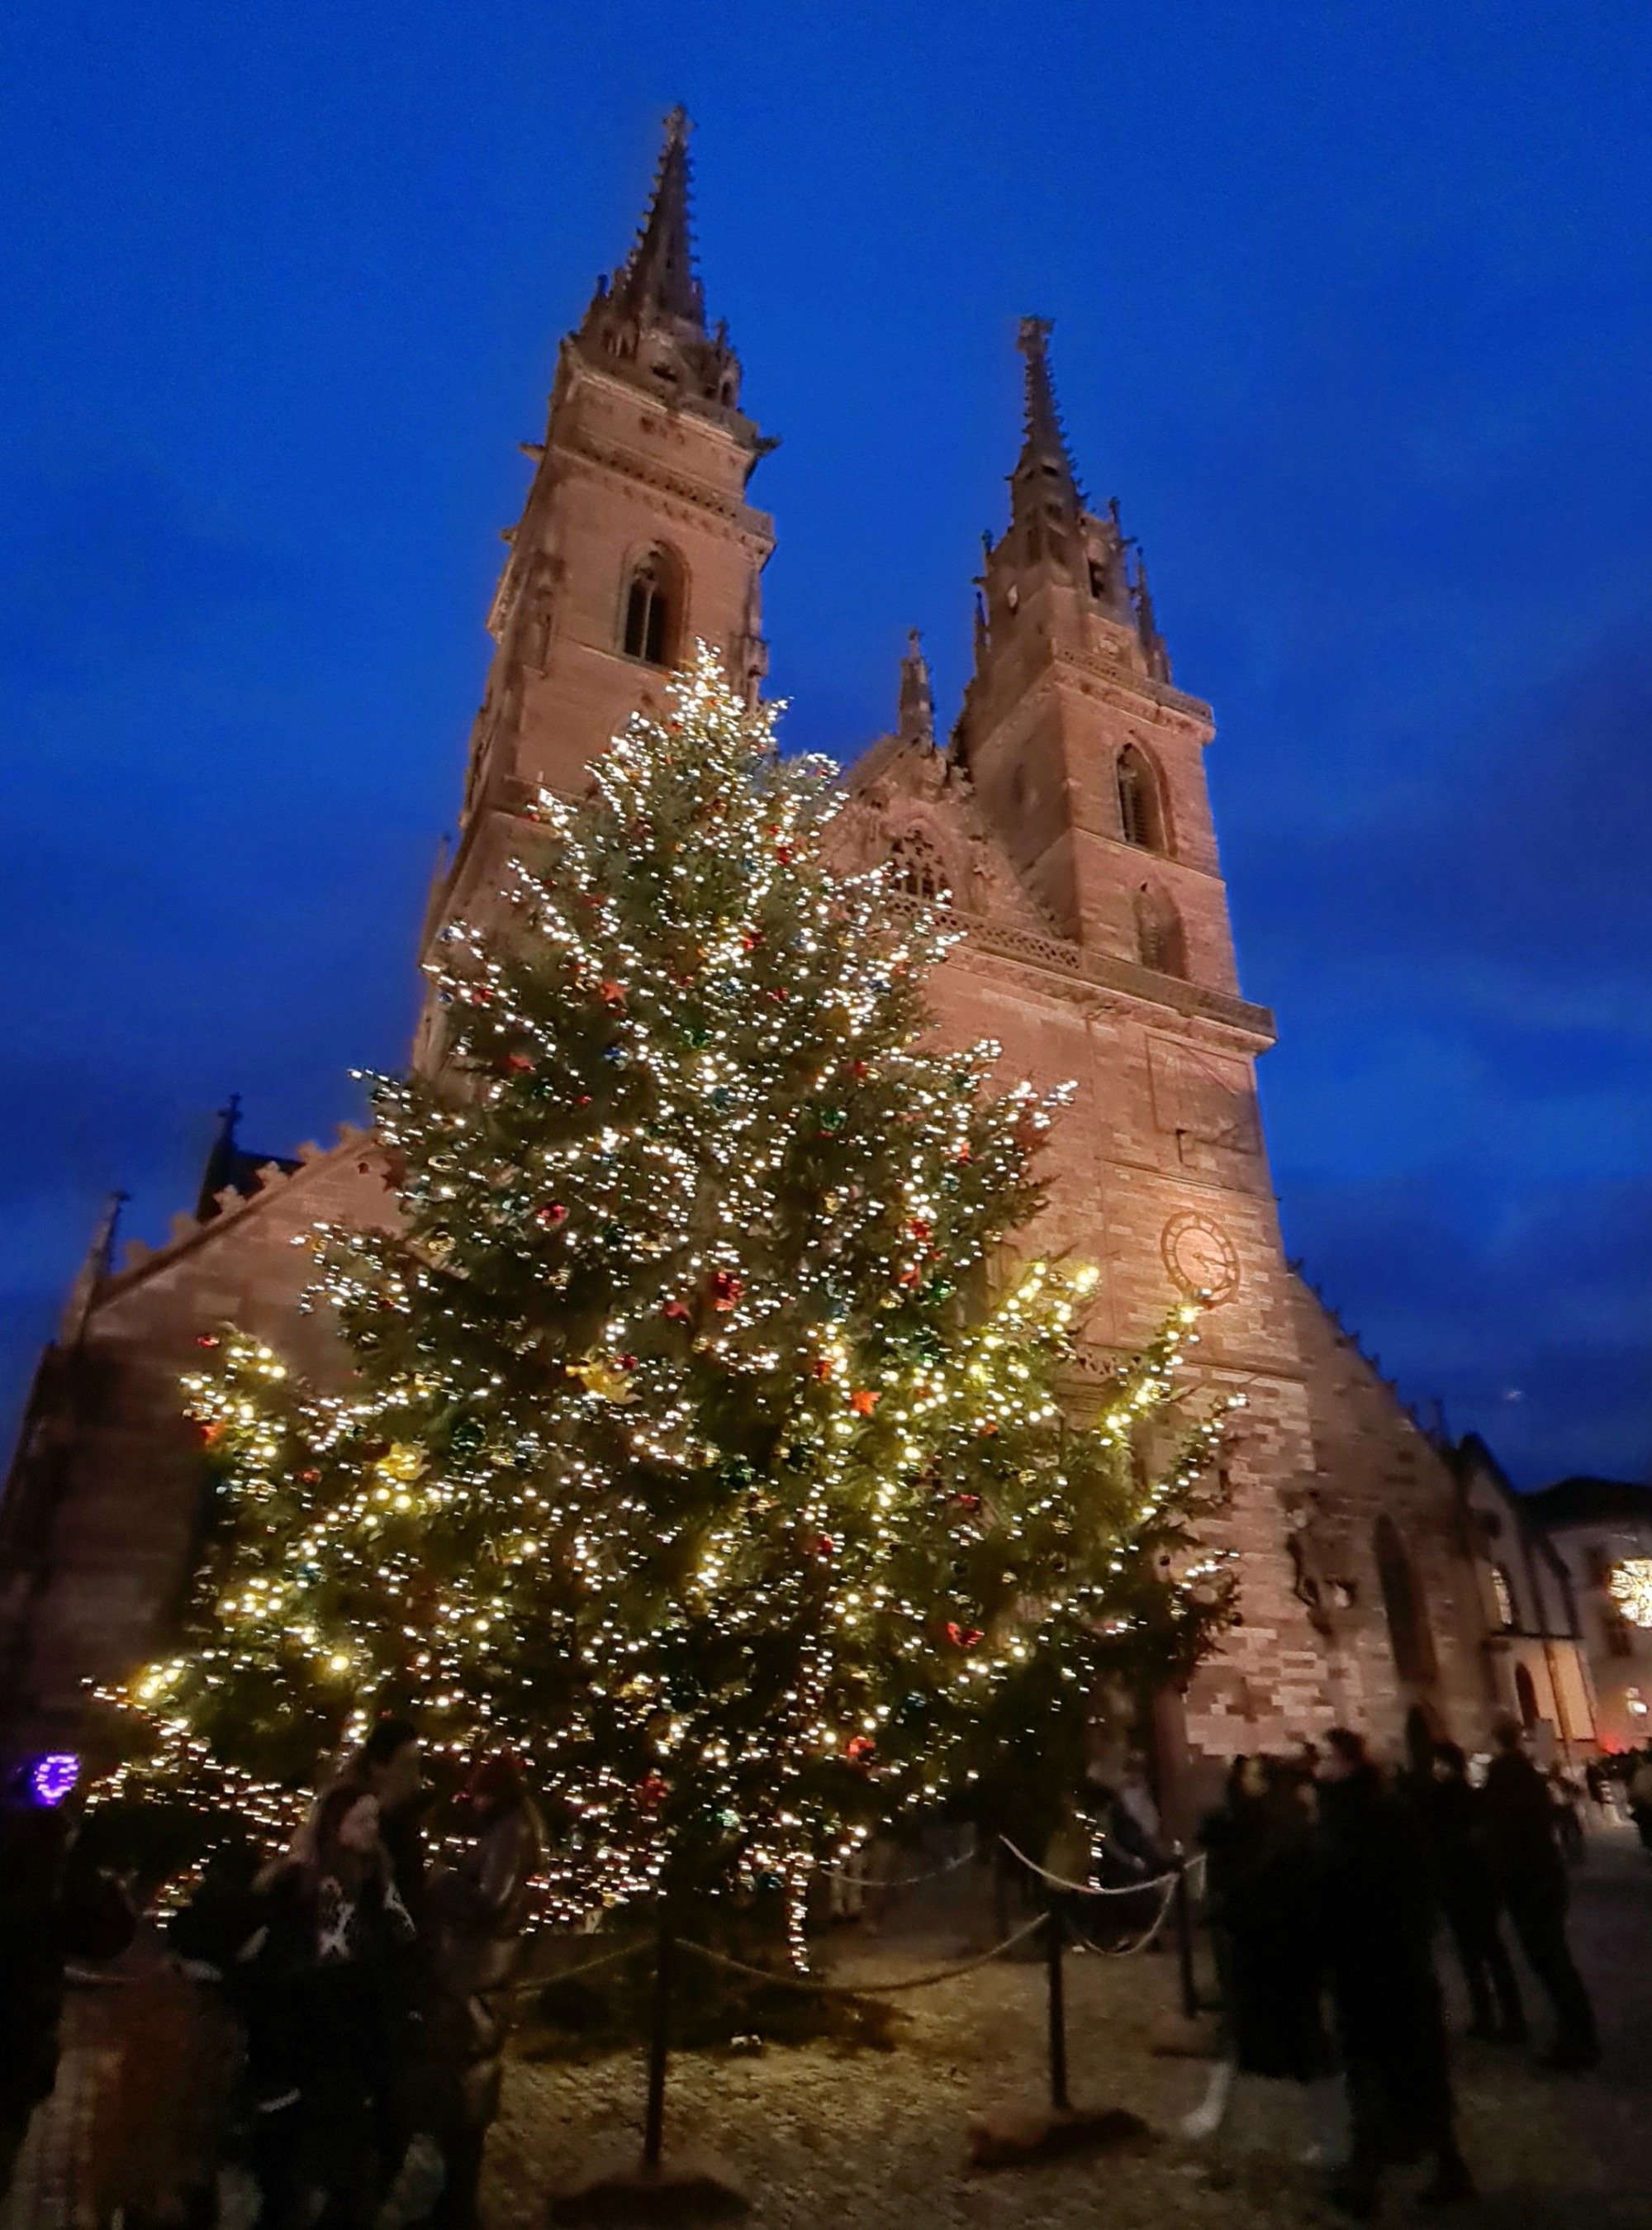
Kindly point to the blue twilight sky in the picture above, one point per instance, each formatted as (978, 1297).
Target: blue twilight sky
(1353, 312)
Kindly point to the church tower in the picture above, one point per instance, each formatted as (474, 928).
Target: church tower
(1086, 766)
(1099, 800)
(636, 539)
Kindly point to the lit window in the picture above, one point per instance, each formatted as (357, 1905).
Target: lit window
(1502, 1595)
(1630, 1585)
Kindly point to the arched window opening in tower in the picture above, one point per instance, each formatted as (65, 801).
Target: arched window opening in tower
(1140, 820)
(916, 869)
(1097, 581)
(1409, 1636)
(1159, 939)
(1140, 804)
(652, 607)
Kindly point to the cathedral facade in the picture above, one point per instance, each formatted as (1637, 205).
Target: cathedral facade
(1066, 825)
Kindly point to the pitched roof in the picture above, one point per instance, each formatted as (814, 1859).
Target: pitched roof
(1584, 1501)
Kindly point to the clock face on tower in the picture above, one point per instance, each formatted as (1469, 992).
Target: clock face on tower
(1200, 1257)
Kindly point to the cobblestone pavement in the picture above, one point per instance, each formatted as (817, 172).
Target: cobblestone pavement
(875, 2139)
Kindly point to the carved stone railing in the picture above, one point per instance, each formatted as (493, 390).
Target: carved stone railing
(1073, 962)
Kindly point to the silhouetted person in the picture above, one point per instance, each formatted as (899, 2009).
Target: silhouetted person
(478, 1908)
(1640, 1795)
(1262, 1884)
(326, 1995)
(1566, 1798)
(31, 1969)
(1453, 1814)
(390, 1766)
(1378, 1926)
(1531, 1876)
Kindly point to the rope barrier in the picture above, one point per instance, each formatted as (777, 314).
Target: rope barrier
(901, 1881)
(1141, 1944)
(1166, 1883)
(1083, 1889)
(1093, 1889)
(860, 1990)
(585, 1967)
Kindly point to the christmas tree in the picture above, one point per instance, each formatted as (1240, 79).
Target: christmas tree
(704, 1445)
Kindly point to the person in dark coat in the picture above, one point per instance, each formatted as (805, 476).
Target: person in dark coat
(1452, 1811)
(327, 1993)
(1262, 1900)
(31, 1969)
(1637, 1789)
(1567, 1799)
(1262, 1890)
(390, 1766)
(1531, 1877)
(478, 1908)
(1378, 1919)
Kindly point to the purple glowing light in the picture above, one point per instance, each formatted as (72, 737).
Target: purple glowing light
(54, 1776)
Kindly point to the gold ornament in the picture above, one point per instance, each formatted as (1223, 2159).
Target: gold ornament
(600, 1374)
(401, 1462)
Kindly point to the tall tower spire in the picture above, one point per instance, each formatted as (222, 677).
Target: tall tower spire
(1044, 478)
(650, 316)
(657, 279)
(914, 720)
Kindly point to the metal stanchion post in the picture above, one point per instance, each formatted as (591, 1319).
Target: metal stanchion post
(1185, 1940)
(1055, 1940)
(653, 2131)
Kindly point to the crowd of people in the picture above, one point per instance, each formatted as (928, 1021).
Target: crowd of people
(1327, 1882)
(1631, 1770)
(363, 1986)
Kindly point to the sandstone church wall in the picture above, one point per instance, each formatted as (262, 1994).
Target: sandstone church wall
(103, 1515)
(1378, 1473)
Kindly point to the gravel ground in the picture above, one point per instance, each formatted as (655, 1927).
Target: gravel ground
(868, 2139)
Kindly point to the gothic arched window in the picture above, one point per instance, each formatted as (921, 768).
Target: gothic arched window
(1159, 940)
(1502, 1595)
(916, 869)
(1402, 1598)
(653, 609)
(1140, 820)
(1526, 1697)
